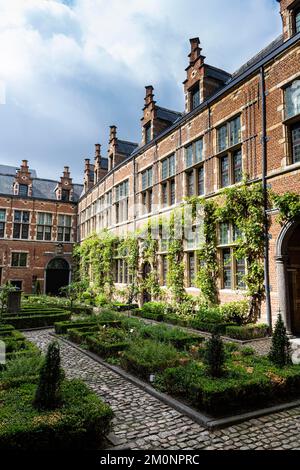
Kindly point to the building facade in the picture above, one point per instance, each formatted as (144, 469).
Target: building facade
(246, 123)
(38, 227)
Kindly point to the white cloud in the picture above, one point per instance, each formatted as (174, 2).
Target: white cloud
(71, 68)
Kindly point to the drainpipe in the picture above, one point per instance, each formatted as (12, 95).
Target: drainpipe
(264, 141)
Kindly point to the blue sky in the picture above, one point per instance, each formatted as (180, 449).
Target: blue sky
(71, 68)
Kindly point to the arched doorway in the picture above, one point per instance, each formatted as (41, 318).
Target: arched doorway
(57, 275)
(288, 272)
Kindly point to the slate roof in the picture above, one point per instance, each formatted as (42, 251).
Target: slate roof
(11, 170)
(41, 188)
(126, 147)
(167, 114)
(260, 56)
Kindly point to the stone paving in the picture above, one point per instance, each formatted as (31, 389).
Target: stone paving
(143, 422)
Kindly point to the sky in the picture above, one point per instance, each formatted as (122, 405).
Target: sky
(71, 68)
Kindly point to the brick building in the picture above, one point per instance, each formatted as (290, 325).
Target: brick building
(38, 226)
(244, 123)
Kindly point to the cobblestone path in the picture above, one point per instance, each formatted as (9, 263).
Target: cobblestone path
(143, 422)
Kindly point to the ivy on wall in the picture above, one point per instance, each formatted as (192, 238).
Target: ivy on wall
(288, 205)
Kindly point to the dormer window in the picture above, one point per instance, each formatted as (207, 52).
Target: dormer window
(148, 133)
(23, 190)
(195, 96)
(65, 195)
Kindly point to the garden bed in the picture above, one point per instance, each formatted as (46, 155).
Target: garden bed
(171, 360)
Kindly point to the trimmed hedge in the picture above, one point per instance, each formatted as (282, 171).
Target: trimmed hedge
(148, 357)
(119, 307)
(105, 349)
(253, 383)
(180, 339)
(62, 328)
(81, 423)
(209, 327)
(247, 332)
(37, 321)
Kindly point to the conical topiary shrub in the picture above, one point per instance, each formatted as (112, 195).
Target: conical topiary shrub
(47, 396)
(280, 353)
(214, 356)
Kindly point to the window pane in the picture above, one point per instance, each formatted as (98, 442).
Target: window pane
(199, 151)
(237, 166)
(164, 169)
(41, 218)
(23, 259)
(48, 219)
(222, 138)
(172, 165)
(15, 259)
(297, 20)
(201, 189)
(172, 191)
(189, 155)
(195, 96)
(235, 131)
(240, 273)
(190, 183)
(292, 99)
(144, 180)
(2, 214)
(224, 234)
(150, 195)
(25, 232)
(227, 274)
(25, 217)
(164, 270)
(17, 231)
(67, 234)
(296, 143)
(191, 269)
(165, 194)
(17, 216)
(224, 171)
(2, 229)
(23, 190)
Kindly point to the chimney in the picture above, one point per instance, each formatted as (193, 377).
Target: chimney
(88, 175)
(113, 135)
(195, 53)
(100, 165)
(149, 95)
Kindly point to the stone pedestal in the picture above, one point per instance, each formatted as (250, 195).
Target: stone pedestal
(14, 302)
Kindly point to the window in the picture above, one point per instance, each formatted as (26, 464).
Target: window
(19, 260)
(44, 226)
(121, 205)
(168, 188)
(121, 272)
(65, 195)
(194, 153)
(295, 138)
(195, 180)
(147, 201)
(190, 183)
(191, 270)
(21, 225)
(64, 228)
(23, 190)
(292, 99)
(2, 222)
(164, 270)
(297, 21)
(231, 168)
(195, 96)
(229, 134)
(233, 269)
(168, 167)
(147, 178)
(148, 134)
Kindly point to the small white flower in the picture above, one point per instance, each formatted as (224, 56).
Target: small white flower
(131, 331)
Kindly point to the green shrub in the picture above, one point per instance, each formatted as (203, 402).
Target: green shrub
(81, 422)
(155, 309)
(148, 357)
(247, 332)
(20, 370)
(214, 356)
(104, 348)
(247, 351)
(208, 327)
(122, 307)
(280, 353)
(235, 312)
(37, 321)
(48, 393)
(175, 336)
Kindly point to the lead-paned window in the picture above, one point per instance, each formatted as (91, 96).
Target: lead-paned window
(44, 226)
(21, 225)
(292, 99)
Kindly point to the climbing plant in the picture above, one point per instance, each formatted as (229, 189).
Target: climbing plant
(288, 205)
(175, 277)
